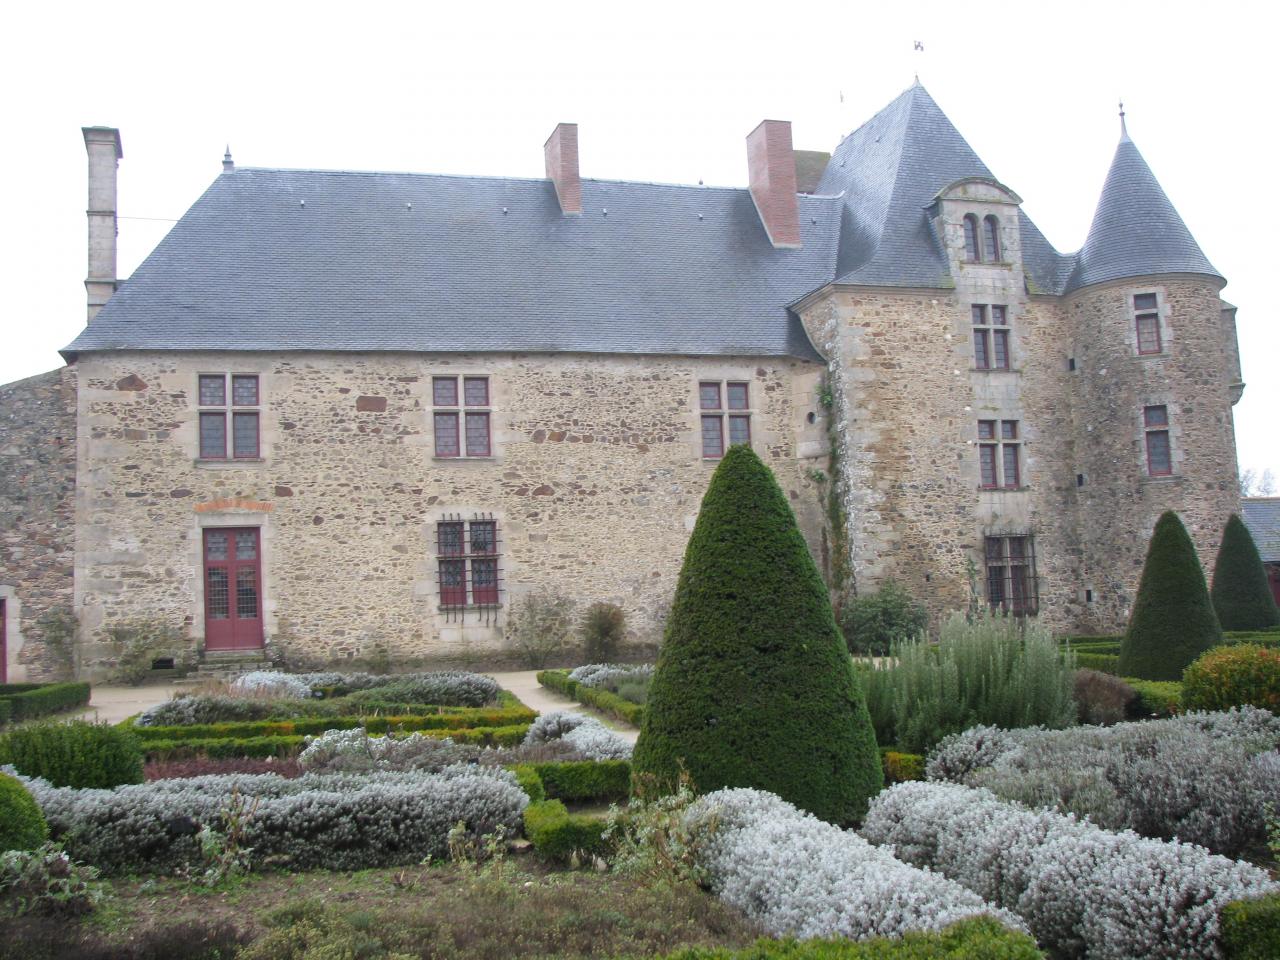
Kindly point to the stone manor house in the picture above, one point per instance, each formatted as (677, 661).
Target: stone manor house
(374, 409)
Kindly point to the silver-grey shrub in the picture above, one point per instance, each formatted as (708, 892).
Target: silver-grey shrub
(1084, 892)
(337, 822)
(798, 876)
(1202, 778)
(610, 675)
(354, 751)
(989, 670)
(591, 738)
(192, 708)
(452, 688)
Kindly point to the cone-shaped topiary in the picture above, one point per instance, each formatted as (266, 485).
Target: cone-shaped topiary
(1173, 620)
(22, 825)
(754, 685)
(1241, 595)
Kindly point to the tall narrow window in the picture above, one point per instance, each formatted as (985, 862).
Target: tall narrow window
(990, 239)
(990, 336)
(1155, 424)
(467, 555)
(1012, 586)
(972, 253)
(1147, 320)
(237, 420)
(726, 413)
(999, 454)
(461, 418)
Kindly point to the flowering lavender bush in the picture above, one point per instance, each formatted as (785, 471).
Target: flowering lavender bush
(1201, 778)
(610, 675)
(354, 751)
(587, 735)
(337, 821)
(1084, 891)
(801, 877)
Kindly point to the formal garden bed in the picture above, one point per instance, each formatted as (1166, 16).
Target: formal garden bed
(974, 794)
(29, 701)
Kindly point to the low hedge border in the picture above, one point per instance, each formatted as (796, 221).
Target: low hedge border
(560, 835)
(606, 702)
(471, 719)
(1156, 698)
(27, 701)
(901, 767)
(275, 745)
(1251, 929)
(1104, 662)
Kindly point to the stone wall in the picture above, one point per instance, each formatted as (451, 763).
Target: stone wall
(37, 512)
(595, 481)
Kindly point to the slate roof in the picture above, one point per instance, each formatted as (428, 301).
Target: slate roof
(325, 260)
(1262, 516)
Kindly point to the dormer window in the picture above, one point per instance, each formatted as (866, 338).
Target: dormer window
(991, 239)
(971, 251)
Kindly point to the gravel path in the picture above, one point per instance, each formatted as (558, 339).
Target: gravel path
(524, 684)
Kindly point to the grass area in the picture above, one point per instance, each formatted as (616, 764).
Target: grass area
(517, 908)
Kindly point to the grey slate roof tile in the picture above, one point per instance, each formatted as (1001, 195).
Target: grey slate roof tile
(1262, 516)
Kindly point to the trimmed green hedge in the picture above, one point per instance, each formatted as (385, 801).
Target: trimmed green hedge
(27, 701)
(586, 780)
(274, 745)
(74, 753)
(1251, 929)
(22, 825)
(901, 767)
(1111, 644)
(558, 834)
(605, 701)
(470, 719)
(980, 938)
(1103, 662)
(529, 781)
(1160, 698)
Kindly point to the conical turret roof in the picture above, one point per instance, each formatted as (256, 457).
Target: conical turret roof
(1136, 231)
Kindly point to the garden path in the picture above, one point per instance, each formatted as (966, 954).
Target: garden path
(111, 704)
(524, 684)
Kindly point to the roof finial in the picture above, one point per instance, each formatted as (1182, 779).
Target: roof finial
(1124, 130)
(227, 163)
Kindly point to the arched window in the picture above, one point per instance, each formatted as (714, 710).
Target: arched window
(991, 238)
(971, 238)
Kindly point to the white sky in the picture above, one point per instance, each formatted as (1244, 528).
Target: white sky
(661, 91)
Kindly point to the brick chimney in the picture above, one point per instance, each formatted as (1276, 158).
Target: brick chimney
(103, 146)
(771, 167)
(561, 152)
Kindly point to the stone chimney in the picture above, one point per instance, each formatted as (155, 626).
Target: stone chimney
(103, 146)
(771, 166)
(561, 152)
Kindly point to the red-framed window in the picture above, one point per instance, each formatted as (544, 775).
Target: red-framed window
(999, 454)
(1012, 585)
(972, 251)
(1155, 426)
(229, 415)
(990, 336)
(467, 556)
(726, 415)
(990, 239)
(1146, 318)
(462, 416)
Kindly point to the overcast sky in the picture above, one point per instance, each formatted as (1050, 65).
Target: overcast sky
(663, 92)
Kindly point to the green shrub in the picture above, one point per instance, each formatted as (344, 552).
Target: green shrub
(529, 781)
(874, 623)
(603, 627)
(992, 670)
(585, 780)
(634, 691)
(1227, 677)
(608, 703)
(1241, 595)
(1156, 698)
(465, 719)
(27, 701)
(281, 744)
(539, 627)
(1251, 929)
(981, 938)
(45, 880)
(559, 835)
(754, 686)
(1173, 620)
(22, 825)
(1101, 698)
(901, 767)
(74, 754)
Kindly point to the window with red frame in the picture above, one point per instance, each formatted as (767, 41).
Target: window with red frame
(1146, 314)
(990, 336)
(1155, 424)
(999, 454)
(1012, 586)
(726, 412)
(229, 413)
(461, 416)
(467, 557)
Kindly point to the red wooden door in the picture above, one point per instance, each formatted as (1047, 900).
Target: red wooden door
(232, 589)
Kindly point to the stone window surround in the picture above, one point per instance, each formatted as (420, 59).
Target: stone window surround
(1131, 328)
(724, 377)
(231, 517)
(494, 411)
(265, 434)
(427, 580)
(16, 672)
(228, 408)
(999, 443)
(1176, 457)
(990, 327)
(980, 222)
(1032, 595)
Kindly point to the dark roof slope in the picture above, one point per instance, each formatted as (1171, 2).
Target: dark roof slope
(1136, 232)
(1262, 516)
(310, 260)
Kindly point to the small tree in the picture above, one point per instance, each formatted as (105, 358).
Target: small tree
(603, 627)
(1173, 620)
(1241, 595)
(754, 686)
(539, 627)
(874, 623)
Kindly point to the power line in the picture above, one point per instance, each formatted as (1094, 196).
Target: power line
(160, 219)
